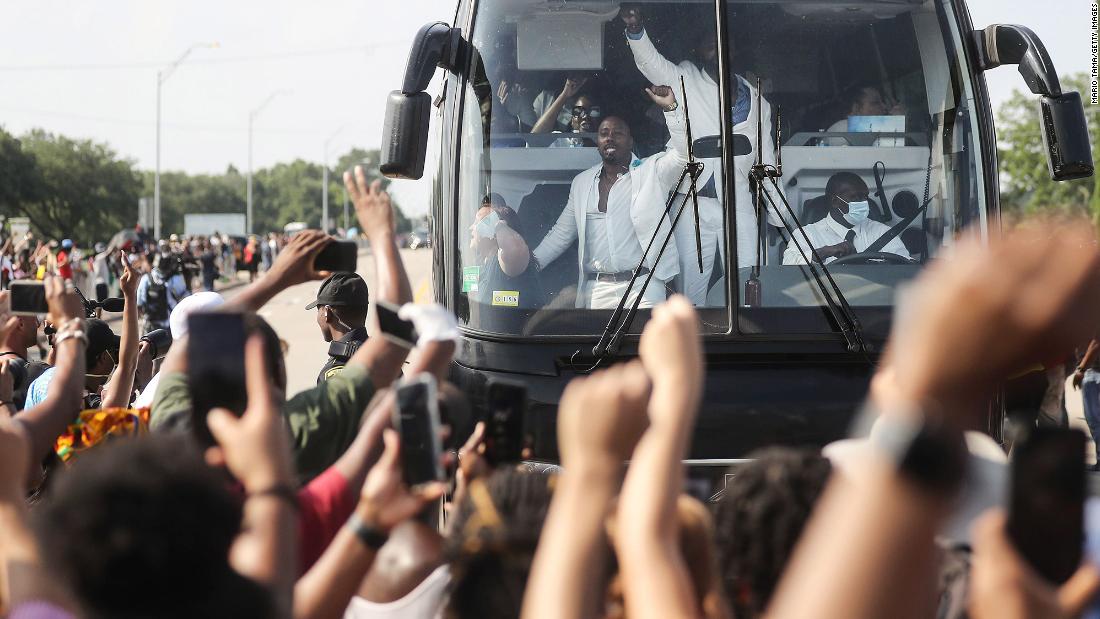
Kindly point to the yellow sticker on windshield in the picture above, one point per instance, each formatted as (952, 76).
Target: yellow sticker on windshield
(506, 298)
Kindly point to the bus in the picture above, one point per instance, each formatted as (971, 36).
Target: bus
(809, 124)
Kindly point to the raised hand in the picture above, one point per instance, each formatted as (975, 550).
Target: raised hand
(62, 300)
(372, 204)
(386, 501)
(632, 17)
(663, 96)
(601, 417)
(129, 280)
(255, 447)
(671, 351)
(294, 265)
(974, 318)
(572, 86)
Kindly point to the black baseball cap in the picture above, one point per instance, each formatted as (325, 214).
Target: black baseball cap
(100, 338)
(342, 288)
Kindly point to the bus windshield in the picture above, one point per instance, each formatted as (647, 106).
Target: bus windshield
(573, 141)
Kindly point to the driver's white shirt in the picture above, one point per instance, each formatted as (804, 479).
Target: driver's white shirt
(829, 231)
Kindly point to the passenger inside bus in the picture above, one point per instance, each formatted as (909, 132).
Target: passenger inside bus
(584, 117)
(867, 101)
(556, 111)
(614, 208)
(506, 277)
(846, 229)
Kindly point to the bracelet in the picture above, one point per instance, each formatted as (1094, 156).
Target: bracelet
(372, 537)
(279, 491)
(69, 335)
(72, 323)
(672, 108)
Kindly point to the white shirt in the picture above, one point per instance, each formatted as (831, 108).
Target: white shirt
(829, 231)
(610, 243)
(426, 601)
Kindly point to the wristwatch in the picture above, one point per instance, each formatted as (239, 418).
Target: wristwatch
(672, 108)
(923, 448)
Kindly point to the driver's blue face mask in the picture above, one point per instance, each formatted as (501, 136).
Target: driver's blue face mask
(857, 211)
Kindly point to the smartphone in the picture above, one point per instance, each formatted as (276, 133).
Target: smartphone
(28, 298)
(215, 365)
(504, 422)
(1047, 499)
(395, 329)
(416, 419)
(337, 256)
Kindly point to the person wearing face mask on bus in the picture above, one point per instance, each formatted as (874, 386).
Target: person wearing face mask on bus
(846, 229)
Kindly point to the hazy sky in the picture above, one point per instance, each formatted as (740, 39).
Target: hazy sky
(88, 69)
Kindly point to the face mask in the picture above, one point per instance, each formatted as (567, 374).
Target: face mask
(858, 212)
(487, 227)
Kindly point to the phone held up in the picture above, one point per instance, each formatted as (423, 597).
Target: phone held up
(504, 437)
(395, 329)
(416, 419)
(215, 365)
(1047, 499)
(28, 298)
(337, 256)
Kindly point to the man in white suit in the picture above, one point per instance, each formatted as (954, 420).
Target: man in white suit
(613, 210)
(701, 82)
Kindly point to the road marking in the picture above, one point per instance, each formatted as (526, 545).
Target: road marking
(423, 292)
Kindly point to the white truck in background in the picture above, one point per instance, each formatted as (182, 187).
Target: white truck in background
(205, 224)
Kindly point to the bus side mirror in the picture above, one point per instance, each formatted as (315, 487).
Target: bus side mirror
(405, 131)
(1065, 131)
(1066, 137)
(405, 135)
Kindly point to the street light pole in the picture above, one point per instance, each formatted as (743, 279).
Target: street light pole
(251, 120)
(345, 191)
(324, 182)
(162, 76)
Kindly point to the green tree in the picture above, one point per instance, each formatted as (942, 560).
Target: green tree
(78, 188)
(1026, 186)
(20, 181)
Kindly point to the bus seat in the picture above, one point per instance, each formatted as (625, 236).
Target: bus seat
(915, 241)
(538, 211)
(813, 210)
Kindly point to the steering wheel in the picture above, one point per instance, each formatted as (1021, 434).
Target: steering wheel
(871, 257)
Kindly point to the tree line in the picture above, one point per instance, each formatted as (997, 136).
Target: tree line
(84, 190)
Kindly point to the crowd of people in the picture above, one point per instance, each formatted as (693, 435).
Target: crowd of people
(297, 507)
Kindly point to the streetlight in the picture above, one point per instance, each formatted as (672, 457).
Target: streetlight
(162, 76)
(324, 181)
(251, 119)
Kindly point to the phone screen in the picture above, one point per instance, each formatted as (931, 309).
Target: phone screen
(504, 422)
(1046, 513)
(416, 418)
(337, 256)
(28, 298)
(397, 330)
(215, 360)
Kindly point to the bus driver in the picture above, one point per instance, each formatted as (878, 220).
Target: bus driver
(846, 229)
(613, 210)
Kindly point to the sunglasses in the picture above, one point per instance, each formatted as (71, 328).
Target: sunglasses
(592, 112)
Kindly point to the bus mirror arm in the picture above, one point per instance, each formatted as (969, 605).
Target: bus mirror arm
(1065, 130)
(408, 111)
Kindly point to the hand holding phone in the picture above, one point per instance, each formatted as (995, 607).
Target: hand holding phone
(1047, 498)
(504, 436)
(337, 256)
(394, 328)
(416, 419)
(28, 298)
(215, 367)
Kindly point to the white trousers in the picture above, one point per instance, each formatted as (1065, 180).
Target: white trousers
(606, 295)
(711, 232)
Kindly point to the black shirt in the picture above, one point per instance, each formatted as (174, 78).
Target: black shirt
(339, 351)
(497, 288)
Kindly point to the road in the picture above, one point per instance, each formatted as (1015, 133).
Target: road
(298, 326)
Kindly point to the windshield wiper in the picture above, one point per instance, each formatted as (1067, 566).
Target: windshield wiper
(839, 308)
(611, 338)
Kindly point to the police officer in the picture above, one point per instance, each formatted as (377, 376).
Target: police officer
(342, 316)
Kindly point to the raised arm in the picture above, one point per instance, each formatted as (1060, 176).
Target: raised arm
(567, 574)
(121, 386)
(45, 421)
(560, 236)
(549, 118)
(513, 253)
(655, 577)
(293, 266)
(374, 210)
(655, 67)
(671, 164)
(958, 334)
